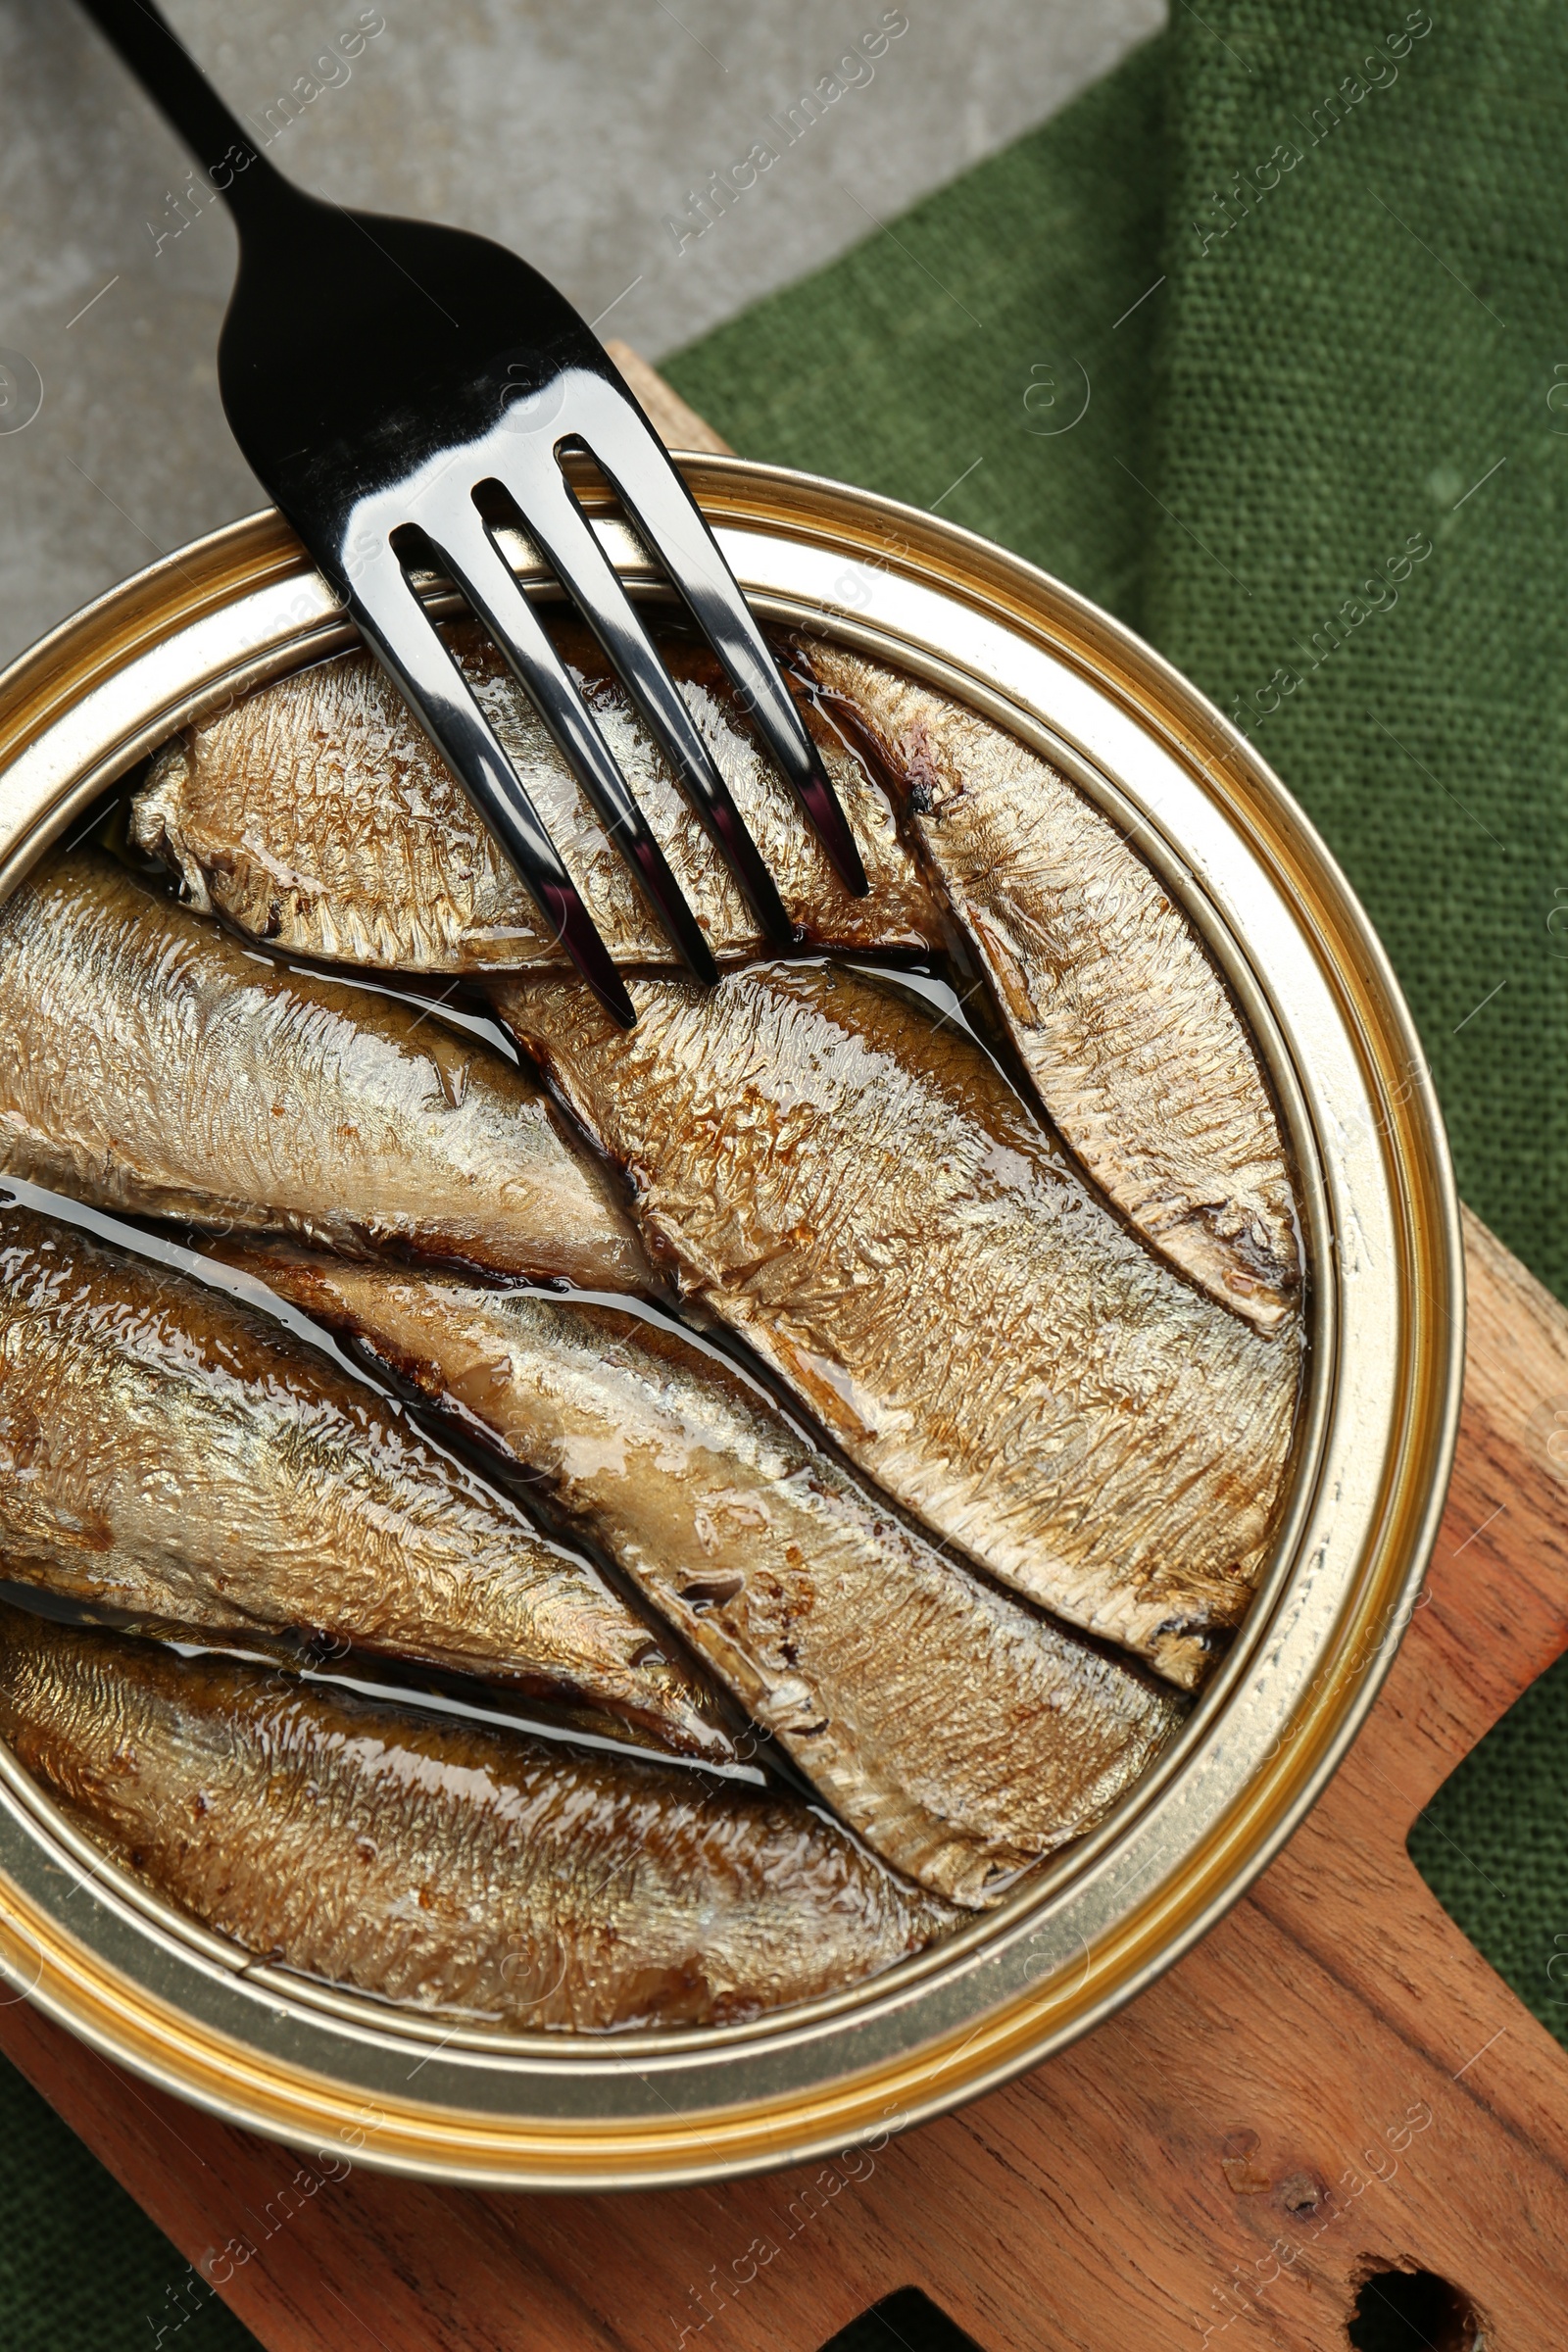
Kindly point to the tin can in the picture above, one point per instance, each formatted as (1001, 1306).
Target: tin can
(329, 2070)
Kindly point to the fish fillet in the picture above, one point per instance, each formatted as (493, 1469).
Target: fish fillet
(1122, 1020)
(850, 1183)
(461, 1870)
(962, 1736)
(167, 1450)
(157, 1066)
(315, 815)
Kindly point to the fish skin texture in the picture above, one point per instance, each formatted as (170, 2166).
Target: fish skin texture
(962, 1736)
(852, 1184)
(461, 1870)
(167, 1450)
(158, 1066)
(1122, 1021)
(315, 815)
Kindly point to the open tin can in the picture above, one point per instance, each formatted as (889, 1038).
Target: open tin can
(330, 2070)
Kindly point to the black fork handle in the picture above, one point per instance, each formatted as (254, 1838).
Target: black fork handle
(254, 189)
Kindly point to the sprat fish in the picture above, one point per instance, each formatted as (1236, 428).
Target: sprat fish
(1105, 987)
(167, 1450)
(467, 1870)
(160, 1067)
(315, 813)
(959, 1732)
(848, 1181)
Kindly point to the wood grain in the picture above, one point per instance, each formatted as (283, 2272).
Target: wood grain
(1142, 2190)
(1205, 2169)
(677, 425)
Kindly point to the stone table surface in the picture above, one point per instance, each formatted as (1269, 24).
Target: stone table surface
(577, 134)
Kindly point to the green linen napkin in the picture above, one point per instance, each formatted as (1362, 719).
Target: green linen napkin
(1319, 465)
(1304, 264)
(1222, 345)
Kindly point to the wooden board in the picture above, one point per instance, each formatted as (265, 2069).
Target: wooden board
(1334, 2083)
(1205, 2166)
(676, 423)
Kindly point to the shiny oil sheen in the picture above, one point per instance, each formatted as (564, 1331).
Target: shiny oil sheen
(1382, 1312)
(962, 1737)
(169, 1452)
(1118, 1016)
(163, 1069)
(316, 818)
(461, 1869)
(846, 1179)
(320, 820)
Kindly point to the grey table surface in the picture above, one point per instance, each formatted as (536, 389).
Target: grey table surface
(577, 134)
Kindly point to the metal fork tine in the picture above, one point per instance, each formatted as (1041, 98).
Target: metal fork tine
(395, 624)
(364, 422)
(557, 525)
(626, 448)
(466, 550)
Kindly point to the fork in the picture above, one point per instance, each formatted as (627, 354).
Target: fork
(403, 391)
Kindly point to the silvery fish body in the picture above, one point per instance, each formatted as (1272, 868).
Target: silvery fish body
(1120, 1016)
(852, 1184)
(167, 1450)
(960, 1734)
(313, 813)
(473, 1873)
(158, 1066)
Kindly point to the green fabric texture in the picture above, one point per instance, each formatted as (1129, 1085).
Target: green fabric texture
(81, 2267)
(1315, 392)
(1311, 395)
(912, 357)
(1364, 359)
(1310, 390)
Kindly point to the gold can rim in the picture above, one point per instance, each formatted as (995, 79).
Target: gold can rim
(325, 2070)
